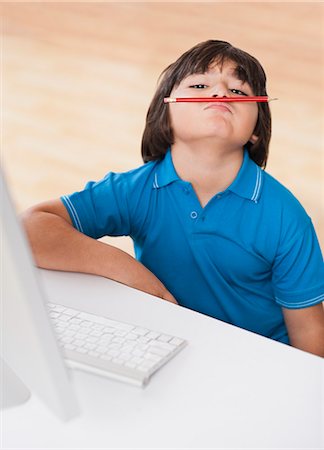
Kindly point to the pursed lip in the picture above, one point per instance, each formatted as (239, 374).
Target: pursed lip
(219, 105)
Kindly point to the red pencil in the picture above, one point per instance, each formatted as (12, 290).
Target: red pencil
(262, 98)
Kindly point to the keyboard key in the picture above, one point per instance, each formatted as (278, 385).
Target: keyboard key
(101, 349)
(176, 341)
(114, 346)
(90, 346)
(153, 335)
(70, 312)
(105, 340)
(64, 317)
(81, 336)
(143, 339)
(69, 332)
(78, 342)
(54, 315)
(91, 339)
(109, 330)
(113, 352)
(159, 351)
(140, 331)
(81, 350)
(95, 333)
(62, 324)
(69, 346)
(131, 337)
(142, 347)
(126, 356)
(152, 357)
(85, 331)
(85, 324)
(146, 365)
(163, 345)
(128, 347)
(120, 333)
(59, 330)
(137, 360)
(66, 339)
(164, 338)
(75, 320)
(118, 340)
(57, 308)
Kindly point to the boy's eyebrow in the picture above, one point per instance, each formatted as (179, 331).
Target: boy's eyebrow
(232, 74)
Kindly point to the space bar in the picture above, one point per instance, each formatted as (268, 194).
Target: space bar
(106, 368)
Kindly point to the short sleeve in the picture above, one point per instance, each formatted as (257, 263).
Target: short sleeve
(298, 271)
(101, 209)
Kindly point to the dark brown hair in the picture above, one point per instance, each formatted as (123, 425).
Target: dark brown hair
(158, 134)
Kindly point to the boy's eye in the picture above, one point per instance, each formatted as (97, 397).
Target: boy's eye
(198, 86)
(238, 92)
(203, 86)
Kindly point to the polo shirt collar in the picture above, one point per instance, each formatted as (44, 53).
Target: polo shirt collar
(165, 172)
(249, 180)
(247, 184)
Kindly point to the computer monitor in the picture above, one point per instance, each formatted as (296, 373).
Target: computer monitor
(31, 361)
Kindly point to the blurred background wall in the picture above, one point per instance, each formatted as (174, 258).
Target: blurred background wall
(77, 79)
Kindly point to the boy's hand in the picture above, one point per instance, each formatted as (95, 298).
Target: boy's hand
(169, 297)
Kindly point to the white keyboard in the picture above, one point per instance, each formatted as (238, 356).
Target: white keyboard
(110, 348)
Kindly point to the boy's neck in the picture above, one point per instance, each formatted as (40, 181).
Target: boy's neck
(209, 169)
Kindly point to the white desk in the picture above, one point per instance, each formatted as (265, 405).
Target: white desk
(227, 389)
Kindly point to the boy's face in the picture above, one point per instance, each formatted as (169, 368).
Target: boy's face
(230, 123)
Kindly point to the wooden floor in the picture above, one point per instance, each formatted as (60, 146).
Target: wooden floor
(77, 79)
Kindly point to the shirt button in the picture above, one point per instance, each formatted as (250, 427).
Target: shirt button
(193, 214)
(218, 196)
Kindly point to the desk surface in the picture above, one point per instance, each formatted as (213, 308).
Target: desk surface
(228, 388)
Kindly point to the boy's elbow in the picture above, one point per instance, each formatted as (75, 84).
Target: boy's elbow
(31, 220)
(48, 230)
(31, 224)
(306, 328)
(27, 216)
(43, 215)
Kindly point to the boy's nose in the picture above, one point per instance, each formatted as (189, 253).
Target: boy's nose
(220, 91)
(216, 95)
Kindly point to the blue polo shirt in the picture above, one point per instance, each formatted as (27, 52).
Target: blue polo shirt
(249, 252)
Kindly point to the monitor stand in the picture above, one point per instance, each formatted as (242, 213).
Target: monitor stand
(13, 391)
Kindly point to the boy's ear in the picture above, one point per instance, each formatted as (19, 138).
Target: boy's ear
(253, 139)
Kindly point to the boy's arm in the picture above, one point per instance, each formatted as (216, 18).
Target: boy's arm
(57, 245)
(306, 328)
